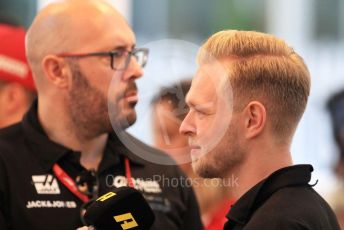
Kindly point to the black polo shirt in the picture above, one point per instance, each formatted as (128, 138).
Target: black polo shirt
(31, 197)
(284, 200)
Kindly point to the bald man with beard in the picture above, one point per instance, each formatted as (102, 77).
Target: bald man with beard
(85, 64)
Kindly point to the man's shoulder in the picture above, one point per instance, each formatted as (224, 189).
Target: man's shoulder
(12, 146)
(274, 221)
(298, 199)
(297, 206)
(11, 137)
(10, 131)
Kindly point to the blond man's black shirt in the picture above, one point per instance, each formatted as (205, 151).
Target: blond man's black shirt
(284, 200)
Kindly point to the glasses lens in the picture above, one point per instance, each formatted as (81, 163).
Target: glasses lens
(141, 57)
(119, 60)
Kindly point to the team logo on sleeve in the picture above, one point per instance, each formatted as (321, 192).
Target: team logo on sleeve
(46, 184)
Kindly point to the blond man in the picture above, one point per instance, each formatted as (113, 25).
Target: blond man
(246, 100)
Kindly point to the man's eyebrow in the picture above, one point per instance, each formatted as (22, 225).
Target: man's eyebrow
(188, 102)
(204, 106)
(199, 106)
(123, 47)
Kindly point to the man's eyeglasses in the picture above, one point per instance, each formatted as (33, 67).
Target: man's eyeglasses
(119, 60)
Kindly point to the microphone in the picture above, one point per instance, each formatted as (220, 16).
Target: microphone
(120, 209)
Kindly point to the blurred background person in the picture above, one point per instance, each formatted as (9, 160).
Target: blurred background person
(17, 89)
(336, 108)
(168, 110)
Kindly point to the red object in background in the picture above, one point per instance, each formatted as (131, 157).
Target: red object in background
(219, 219)
(13, 64)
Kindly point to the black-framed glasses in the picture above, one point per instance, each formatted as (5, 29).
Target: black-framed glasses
(119, 60)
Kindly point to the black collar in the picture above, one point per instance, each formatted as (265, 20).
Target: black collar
(242, 210)
(49, 152)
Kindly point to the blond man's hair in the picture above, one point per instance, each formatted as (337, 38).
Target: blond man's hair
(264, 68)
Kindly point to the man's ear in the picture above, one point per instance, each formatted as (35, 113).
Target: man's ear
(56, 70)
(255, 119)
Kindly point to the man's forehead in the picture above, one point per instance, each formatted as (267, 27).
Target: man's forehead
(125, 40)
(110, 32)
(209, 76)
(202, 89)
(91, 23)
(206, 84)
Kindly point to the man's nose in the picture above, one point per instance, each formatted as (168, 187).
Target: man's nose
(187, 128)
(135, 70)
